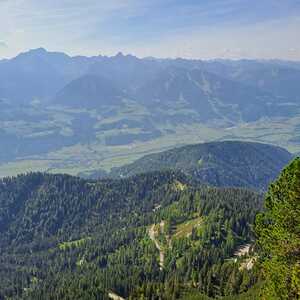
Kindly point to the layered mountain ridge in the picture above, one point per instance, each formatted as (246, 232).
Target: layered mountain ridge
(80, 114)
(223, 87)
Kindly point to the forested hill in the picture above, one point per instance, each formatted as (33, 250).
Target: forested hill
(152, 236)
(43, 205)
(228, 163)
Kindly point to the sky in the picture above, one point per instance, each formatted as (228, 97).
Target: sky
(206, 29)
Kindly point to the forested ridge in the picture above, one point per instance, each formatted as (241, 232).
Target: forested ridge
(221, 163)
(63, 237)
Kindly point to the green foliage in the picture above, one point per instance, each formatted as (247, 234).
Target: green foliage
(278, 231)
(73, 244)
(254, 293)
(228, 163)
(63, 237)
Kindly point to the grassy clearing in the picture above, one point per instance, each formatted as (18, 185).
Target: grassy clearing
(73, 244)
(179, 186)
(185, 229)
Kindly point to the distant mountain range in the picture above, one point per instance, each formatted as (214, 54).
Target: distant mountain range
(80, 114)
(230, 90)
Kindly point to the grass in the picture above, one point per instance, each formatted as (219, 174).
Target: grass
(185, 229)
(73, 244)
(179, 186)
(23, 166)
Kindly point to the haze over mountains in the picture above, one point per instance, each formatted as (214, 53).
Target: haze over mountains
(80, 114)
(41, 75)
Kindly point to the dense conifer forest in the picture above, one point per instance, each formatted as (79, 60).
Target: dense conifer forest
(158, 235)
(67, 238)
(225, 163)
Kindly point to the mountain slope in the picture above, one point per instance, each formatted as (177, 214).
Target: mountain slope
(89, 91)
(126, 71)
(279, 78)
(38, 75)
(212, 96)
(69, 238)
(229, 163)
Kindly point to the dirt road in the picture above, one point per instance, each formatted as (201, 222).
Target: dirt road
(159, 248)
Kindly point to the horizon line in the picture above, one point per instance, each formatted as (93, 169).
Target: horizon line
(124, 54)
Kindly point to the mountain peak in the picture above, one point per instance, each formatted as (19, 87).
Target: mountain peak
(120, 54)
(37, 51)
(40, 49)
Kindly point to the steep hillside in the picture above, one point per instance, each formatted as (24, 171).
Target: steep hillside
(277, 77)
(127, 71)
(212, 96)
(37, 75)
(67, 238)
(228, 163)
(88, 92)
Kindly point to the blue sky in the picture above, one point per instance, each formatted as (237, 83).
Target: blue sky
(163, 28)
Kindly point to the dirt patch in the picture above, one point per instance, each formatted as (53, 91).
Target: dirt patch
(114, 296)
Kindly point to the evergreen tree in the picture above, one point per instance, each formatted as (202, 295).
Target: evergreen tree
(278, 231)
